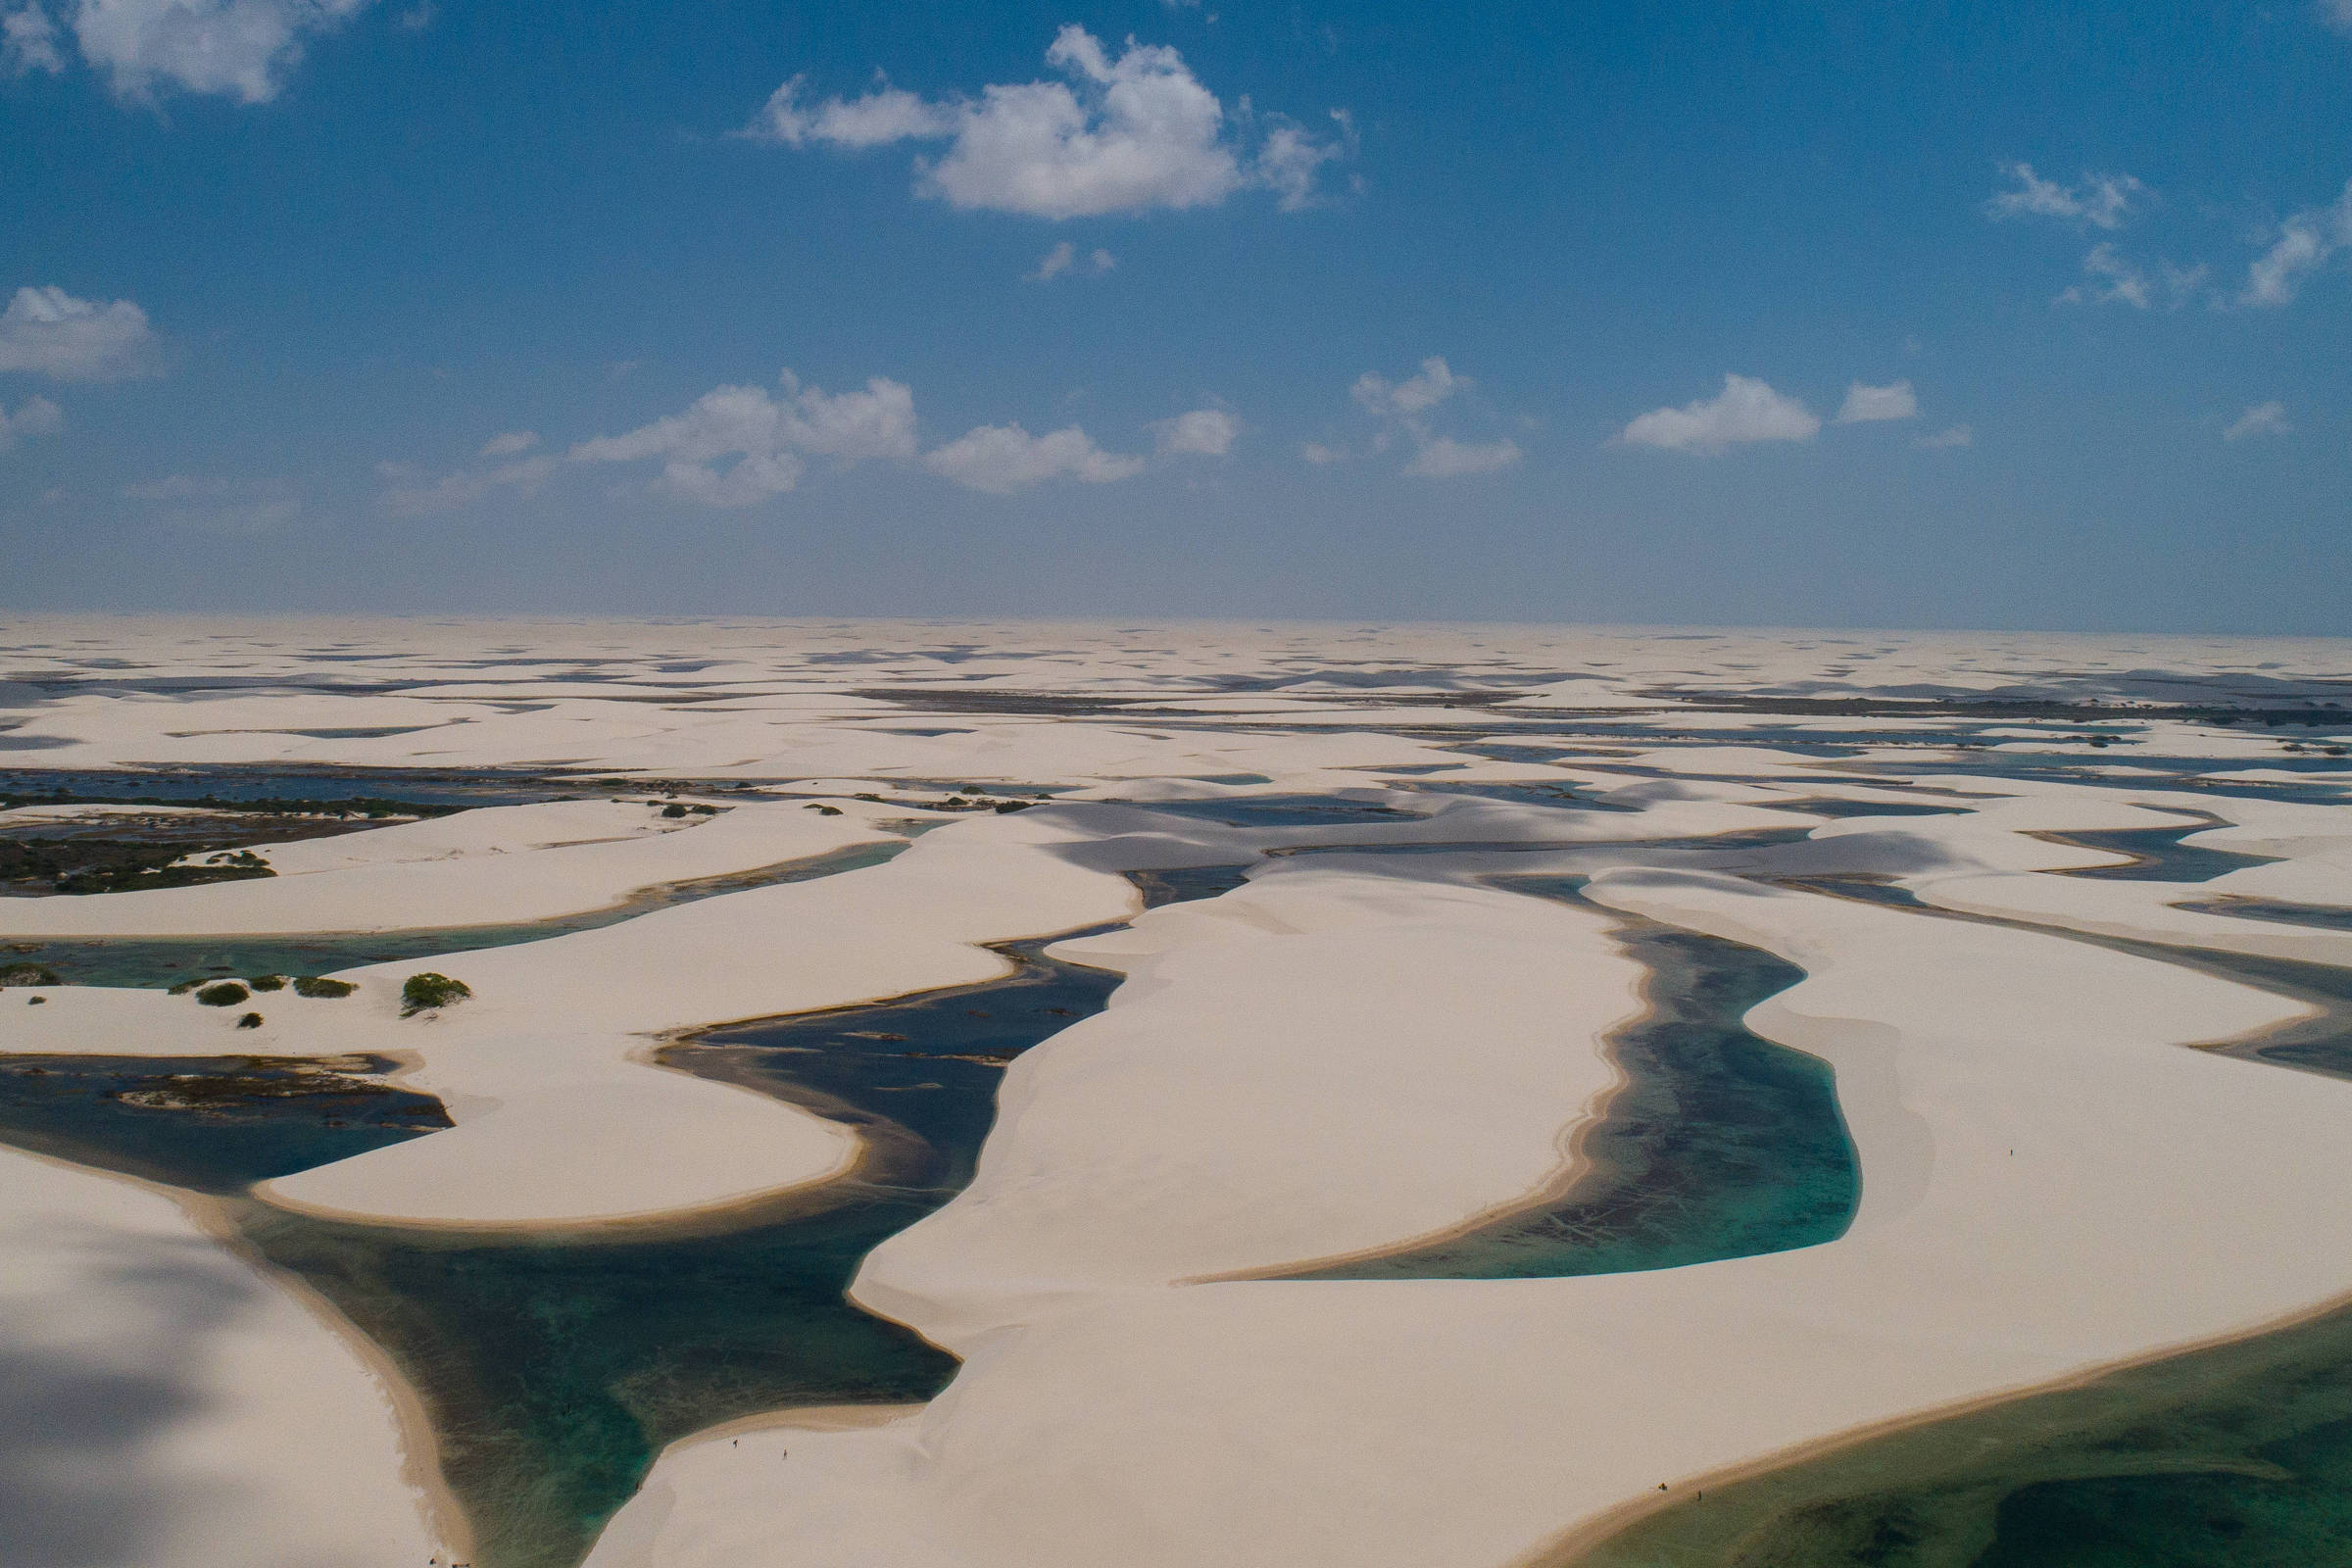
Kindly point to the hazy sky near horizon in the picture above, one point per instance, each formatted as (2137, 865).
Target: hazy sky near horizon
(1835, 313)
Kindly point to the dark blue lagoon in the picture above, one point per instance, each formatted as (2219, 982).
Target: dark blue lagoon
(2158, 854)
(211, 1124)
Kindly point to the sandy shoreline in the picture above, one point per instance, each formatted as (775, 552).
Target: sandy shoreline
(1595, 1534)
(1347, 1056)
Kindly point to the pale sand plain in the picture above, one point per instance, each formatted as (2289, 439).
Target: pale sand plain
(1349, 1053)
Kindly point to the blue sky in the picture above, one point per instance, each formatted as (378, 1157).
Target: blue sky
(1829, 314)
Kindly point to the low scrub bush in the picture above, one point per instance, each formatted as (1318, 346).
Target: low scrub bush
(222, 994)
(422, 993)
(312, 985)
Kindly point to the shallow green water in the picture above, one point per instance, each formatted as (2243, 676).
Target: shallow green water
(2237, 1456)
(1721, 1145)
(168, 960)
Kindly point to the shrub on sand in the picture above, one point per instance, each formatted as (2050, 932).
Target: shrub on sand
(422, 993)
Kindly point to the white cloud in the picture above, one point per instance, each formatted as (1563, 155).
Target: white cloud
(1203, 432)
(1129, 135)
(1064, 258)
(29, 41)
(33, 416)
(237, 48)
(1864, 403)
(2263, 418)
(1959, 435)
(49, 331)
(1445, 458)
(2104, 201)
(1001, 458)
(236, 507)
(418, 17)
(1746, 409)
(2336, 14)
(880, 117)
(508, 445)
(1291, 160)
(1403, 406)
(2305, 242)
(1316, 453)
(770, 438)
(1412, 396)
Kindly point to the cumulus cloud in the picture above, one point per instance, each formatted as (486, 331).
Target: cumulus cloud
(1412, 396)
(1865, 404)
(29, 41)
(2305, 242)
(1316, 453)
(196, 504)
(1959, 435)
(2336, 14)
(2104, 201)
(768, 438)
(2263, 418)
(48, 331)
(1405, 406)
(1126, 134)
(237, 48)
(1746, 409)
(1445, 458)
(508, 445)
(1291, 161)
(33, 416)
(1203, 432)
(1002, 459)
(880, 117)
(1064, 258)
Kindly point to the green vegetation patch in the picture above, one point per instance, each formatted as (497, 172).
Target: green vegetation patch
(312, 985)
(29, 974)
(222, 994)
(422, 993)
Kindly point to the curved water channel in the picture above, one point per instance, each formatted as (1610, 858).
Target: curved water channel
(554, 1368)
(2236, 1455)
(1720, 1144)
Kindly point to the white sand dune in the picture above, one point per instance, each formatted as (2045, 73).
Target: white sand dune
(168, 1403)
(495, 866)
(1357, 1049)
(2004, 1240)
